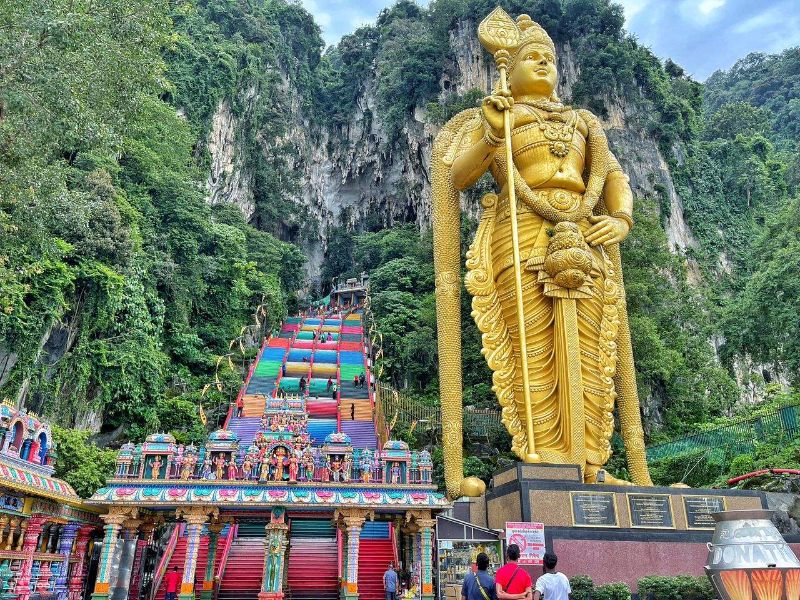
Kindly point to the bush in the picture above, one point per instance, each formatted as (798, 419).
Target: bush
(675, 588)
(583, 589)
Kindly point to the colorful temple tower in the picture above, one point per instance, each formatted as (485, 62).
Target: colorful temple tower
(300, 490)
(46, 533)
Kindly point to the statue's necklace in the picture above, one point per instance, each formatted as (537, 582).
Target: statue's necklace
(557, 129)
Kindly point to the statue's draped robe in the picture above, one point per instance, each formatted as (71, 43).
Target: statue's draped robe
(561, 434)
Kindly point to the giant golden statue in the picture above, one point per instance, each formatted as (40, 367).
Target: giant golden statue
(544, 267)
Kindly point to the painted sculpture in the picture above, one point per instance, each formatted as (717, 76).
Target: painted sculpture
(543, 269)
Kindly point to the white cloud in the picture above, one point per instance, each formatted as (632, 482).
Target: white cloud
(708, 6)
(633, 7)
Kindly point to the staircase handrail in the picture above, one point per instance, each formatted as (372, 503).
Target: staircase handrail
(233, 530)
(393, 539)
(161, 569)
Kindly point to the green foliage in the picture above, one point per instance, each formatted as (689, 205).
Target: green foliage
(80, 462)
(118, 280)
(583, 588)
(675, 588)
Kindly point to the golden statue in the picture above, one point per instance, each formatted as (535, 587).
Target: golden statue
(544, 268)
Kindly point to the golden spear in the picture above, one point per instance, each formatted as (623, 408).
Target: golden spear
(498, 33)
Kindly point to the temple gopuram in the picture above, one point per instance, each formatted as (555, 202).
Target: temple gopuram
(299, 493)
(47, 534)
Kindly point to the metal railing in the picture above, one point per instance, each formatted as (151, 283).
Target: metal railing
(737, 438)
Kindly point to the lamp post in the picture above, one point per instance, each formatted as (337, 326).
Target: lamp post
(748, 558)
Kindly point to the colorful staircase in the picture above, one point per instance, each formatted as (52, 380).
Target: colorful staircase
(313, 560)
(374, 555)
(245, 567)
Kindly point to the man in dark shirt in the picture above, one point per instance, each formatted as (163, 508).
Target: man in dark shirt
(480, 585)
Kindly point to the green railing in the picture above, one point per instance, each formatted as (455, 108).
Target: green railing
(409, 409)
(737, 438)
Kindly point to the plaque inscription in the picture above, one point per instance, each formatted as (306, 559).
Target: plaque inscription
(652, 511)
(699, 510)
(594, 509)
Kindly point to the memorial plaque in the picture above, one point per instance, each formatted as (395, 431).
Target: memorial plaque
(699, 510)
(651, 511)
(594, 509)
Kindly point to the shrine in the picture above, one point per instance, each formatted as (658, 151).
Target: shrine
(47, 534)
(304, 474)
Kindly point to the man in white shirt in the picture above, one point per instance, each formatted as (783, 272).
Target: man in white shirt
(552, 585)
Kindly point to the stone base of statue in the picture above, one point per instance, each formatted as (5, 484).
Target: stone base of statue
(609, 532)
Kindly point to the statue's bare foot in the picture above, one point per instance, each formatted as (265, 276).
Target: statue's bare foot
(602, 477)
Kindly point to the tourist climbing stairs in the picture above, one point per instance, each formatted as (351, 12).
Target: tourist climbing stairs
(313, 560)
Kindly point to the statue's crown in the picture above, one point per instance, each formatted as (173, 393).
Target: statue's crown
(499, 31)
(531, 33)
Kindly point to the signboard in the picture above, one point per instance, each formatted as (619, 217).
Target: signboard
(594, 509)
(699, 510)
(652, 511)
(530, 539)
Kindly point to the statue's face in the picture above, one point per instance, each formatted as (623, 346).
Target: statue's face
(534, 73)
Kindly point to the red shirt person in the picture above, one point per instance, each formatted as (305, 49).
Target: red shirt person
(512, 582)
(172, 582)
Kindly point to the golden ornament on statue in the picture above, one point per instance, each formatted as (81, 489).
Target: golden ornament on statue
(544, 267)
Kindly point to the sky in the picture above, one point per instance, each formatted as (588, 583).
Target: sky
(700, 35)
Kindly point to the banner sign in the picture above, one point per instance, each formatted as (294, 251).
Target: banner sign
(530, 539)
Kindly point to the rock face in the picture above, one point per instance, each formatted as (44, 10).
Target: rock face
(357, 173)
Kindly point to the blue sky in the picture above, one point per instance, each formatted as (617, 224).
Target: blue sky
(700, 35)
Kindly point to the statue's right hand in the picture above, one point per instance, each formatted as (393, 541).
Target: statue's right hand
(493, 108)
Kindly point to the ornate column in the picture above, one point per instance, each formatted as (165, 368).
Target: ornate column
(426, 527)
(28, 537)
(353, 519)
(68, 534)
(113, 521)
(195, 519)
(78, 579)
(12, 527)
(3, 525)
(274, 554)
(214, 530)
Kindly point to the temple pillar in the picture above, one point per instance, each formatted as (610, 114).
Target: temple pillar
(29, 536)
(145, 538)
(113, 521)
(13, 523)
(3, 524)
(68, 534)
(195, 519)
(353, 520)
(120, 581)
(33, 453)
(426, 528)
(79, 570)
(214, 530)
(275, 543)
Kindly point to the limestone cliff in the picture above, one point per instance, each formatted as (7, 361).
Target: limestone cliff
(350, 173)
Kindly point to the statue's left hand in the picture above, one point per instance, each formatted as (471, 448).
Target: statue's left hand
(606, 230)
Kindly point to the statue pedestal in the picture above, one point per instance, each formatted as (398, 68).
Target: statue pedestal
(608, 532)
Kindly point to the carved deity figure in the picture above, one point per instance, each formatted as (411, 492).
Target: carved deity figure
(219, 464)
(232, 469)
(247, 468)
(279, 463)
(543, 269)
(155, 467)
(293, 466)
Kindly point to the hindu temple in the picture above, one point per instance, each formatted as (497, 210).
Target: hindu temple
(301, 492)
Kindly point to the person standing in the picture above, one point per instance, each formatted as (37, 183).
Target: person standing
(239, 406)
(172, 582)
(480, 585)
(512, 582)
(552, 585)
(390, 583)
